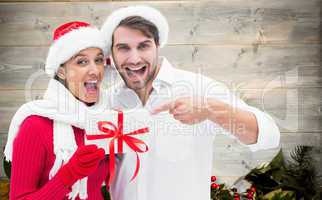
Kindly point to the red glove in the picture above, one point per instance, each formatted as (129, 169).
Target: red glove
(83, 162)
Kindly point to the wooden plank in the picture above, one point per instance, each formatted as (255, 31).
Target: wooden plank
(224, 145)
(20, 64)
(234, 2)
(209, 22)
(276, 101)
(295, 110)
(250, 66)
(236, 66)
(288, 140)
(235, 161)
(15, 98)
(3, 139)
(47, 1)
(232, 161)
(231, 154)
(292, 109)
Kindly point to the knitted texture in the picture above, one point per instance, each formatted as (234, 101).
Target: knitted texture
(33, 157)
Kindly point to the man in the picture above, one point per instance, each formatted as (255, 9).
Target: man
(176, 167)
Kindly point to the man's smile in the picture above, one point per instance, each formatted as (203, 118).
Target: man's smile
(136, 72)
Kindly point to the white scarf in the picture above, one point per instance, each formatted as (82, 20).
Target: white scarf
(66, 111)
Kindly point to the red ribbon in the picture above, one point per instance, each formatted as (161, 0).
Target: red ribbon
(116, 133)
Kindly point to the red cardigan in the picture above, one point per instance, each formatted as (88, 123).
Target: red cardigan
(33, 158)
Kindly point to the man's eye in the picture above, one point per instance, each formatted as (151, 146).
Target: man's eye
(123, 48)
(143, 46)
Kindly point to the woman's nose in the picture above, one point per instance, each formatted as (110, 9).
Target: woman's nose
(94, 68)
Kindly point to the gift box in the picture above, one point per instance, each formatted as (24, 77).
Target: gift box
(118, 132)
(124, 128)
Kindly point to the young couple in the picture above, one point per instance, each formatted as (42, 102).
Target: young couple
(46, 137)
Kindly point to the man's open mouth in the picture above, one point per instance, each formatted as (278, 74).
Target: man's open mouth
(138, 71)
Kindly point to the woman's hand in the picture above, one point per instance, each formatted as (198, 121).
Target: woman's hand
(83, 162)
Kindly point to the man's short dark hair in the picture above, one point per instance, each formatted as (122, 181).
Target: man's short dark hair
(146, 27)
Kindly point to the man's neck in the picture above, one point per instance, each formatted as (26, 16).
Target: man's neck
(145, 92)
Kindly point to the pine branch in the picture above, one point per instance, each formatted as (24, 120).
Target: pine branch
(297, 174)
(300, 175)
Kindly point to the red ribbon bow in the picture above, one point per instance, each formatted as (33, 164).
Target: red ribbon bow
(116, 133)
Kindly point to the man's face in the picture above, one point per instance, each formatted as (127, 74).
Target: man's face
(135, 56)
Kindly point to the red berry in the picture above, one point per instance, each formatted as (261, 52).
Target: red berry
(215, 186)
(213, 178)
(253, 189)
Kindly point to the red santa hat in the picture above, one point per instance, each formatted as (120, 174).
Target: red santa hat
(69, 39)
(146, 12)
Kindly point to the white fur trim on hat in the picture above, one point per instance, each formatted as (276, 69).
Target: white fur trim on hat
(148, 13)
(70, 44)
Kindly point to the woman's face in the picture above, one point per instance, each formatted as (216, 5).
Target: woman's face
(83, 74)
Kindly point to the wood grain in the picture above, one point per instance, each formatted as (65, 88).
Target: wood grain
(267, 52)
(236, 66)
(294, 109)
(207, 22)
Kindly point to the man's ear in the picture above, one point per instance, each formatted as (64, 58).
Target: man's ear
(61, 73)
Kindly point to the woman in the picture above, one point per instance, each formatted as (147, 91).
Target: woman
(46, 137)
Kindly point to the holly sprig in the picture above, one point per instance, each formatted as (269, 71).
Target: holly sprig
(221, 192)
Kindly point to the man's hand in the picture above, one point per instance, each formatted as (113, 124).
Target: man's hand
(187, 110)
(192, 110)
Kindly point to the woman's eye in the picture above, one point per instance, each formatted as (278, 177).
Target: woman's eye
(82, 62)
(99, 60)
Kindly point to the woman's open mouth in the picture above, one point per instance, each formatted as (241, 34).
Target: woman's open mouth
(91, 86)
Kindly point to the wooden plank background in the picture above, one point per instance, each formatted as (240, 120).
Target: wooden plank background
(267, 52)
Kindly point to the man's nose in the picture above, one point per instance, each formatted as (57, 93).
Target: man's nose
(135, 57)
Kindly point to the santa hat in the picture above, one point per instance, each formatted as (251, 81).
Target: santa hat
(69, 39)
(146, 12)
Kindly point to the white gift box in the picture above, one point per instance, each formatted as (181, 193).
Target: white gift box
(133, 120)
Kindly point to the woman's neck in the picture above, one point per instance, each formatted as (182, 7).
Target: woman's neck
(89, 104)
